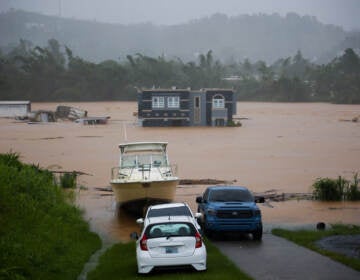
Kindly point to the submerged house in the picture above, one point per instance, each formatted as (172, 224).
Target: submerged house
(14, 108)
(185, 107)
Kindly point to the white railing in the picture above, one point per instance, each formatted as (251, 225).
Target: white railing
(144, 172)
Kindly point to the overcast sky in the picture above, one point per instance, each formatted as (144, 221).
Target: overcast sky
(345, 13)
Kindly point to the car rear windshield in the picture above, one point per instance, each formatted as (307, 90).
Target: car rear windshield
(170, 229)
(239, 195)
(173, 211)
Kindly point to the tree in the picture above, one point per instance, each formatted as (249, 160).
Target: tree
(349, 62)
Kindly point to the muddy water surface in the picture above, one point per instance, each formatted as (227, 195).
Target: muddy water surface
(280, 146)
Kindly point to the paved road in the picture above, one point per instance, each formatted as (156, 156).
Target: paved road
(276, 258)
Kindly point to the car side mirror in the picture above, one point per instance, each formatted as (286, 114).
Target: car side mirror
(199, 199)
(134, 236)
(140, 221)
(198, 215)
(259, 199)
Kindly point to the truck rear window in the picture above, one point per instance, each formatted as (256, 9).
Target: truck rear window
(231, 195)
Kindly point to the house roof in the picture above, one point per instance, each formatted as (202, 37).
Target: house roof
(14, 102)
(175, 90)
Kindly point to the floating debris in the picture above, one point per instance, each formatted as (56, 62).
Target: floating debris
(204, 182)
(70, 172)
(93, 120)
(42, 116)
(71, 113)
(273, 195)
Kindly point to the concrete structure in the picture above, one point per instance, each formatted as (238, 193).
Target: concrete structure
(14, 108)
(185, 107)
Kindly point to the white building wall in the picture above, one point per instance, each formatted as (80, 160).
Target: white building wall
(14, 108)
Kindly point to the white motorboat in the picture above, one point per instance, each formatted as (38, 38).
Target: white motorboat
(144, 176)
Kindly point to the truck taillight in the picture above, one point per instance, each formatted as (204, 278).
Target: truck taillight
(143, 243)
(198, 240)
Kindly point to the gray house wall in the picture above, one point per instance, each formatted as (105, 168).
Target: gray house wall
(191, 112)
(219, 114)
(164, 116)
(202, 108)
(212, 115)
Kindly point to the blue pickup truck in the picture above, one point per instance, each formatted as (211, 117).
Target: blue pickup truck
(230, 208)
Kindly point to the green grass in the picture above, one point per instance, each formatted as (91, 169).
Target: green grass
(307, 238)
(42, 236)
(119, 262)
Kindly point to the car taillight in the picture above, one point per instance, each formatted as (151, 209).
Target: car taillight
(198, 240)
(143, 243)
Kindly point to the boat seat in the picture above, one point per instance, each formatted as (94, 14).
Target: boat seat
(145, 167)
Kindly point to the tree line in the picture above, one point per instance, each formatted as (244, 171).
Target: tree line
(54, 73)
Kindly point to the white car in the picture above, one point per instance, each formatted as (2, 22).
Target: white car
(170, 209)
(167, 242)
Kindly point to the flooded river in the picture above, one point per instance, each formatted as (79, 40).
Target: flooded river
(280, 146)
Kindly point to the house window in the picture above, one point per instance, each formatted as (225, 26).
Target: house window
(218, 102)
(173, 102)
(158, 102)
(197, 102)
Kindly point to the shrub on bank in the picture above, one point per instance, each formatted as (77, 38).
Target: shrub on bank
(68, 180)
(327, 189)
(42, 236)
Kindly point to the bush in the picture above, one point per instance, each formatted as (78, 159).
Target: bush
(11, 159)
(233, 123)
(68, 180)
(353, 192)
(327, 189)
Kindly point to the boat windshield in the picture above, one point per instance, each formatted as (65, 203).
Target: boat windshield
(154, 160)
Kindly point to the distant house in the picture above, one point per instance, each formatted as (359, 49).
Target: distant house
(185, 107)
(14, 108)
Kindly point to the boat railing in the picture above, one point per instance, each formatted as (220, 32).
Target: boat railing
(144, 172)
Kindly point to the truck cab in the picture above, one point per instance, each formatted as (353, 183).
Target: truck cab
(230, 208)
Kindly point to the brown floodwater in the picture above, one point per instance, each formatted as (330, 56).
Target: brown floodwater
(281, 146)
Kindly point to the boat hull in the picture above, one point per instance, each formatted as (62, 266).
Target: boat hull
(135, 197)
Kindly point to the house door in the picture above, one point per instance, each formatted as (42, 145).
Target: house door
(219, 122)
(197, 111)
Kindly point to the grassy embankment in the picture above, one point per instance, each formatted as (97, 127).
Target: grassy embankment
(42, 235)
(119, 262)
(307, 238)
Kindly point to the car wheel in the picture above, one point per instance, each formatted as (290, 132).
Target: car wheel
(257, 234)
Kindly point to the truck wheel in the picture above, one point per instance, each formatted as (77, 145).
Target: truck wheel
(208, 232)
(257, 234)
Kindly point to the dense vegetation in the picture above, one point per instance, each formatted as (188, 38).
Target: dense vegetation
(42, 236)
(120, 262)
(328, 189)
(308, 238)
(49, 74)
